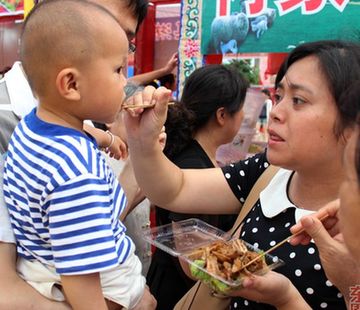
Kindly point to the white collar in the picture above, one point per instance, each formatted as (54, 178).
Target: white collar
(274, 198)
(21, 96)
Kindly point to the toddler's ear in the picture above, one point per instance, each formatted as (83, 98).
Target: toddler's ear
(67, 83)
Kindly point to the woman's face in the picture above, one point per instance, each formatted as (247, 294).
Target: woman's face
(232, 126)
(301, 126)
(350, 199)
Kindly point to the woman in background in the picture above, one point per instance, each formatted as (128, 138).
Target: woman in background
(208, 115)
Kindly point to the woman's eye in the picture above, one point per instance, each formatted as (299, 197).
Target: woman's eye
(277, 98)
(297, 100)
(119, 70)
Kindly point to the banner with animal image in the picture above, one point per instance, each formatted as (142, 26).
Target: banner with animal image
(11, 7)
(253, 26)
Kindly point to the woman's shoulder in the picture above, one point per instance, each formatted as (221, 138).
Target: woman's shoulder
(242, 175)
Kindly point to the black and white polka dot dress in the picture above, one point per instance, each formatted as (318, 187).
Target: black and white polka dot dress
(268, 223)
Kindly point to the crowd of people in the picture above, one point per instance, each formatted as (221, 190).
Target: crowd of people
(308, 130)
(63, 243)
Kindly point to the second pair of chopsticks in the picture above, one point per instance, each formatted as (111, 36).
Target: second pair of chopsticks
(278, 244)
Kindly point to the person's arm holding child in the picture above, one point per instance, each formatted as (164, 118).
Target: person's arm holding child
(11, 285)
(84, 291)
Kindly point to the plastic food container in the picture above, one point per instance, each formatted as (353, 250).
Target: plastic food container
(197, 242)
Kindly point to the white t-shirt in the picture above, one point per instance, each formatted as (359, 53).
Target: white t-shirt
(6, 232)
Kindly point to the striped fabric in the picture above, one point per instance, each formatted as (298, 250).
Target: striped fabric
(63, 199)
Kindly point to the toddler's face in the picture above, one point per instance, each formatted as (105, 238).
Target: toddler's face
(105, 76)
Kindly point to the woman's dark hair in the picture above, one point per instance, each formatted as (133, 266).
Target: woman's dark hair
(206, 90)
(352, 97)
(339, 62)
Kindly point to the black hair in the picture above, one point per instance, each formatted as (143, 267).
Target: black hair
(139, 9)
(339, 62)
(168, 78)
(153, 84)
(352, 97)
(266, 92)
(205, 91)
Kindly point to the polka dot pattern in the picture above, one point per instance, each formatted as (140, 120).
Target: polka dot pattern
(302, 264)
(310, 291)
(317, 267)
(311, 250)
(323, 305)
(328, 283)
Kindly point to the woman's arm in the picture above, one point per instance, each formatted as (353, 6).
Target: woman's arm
(145, 78)
(15, 293)
(189, 191)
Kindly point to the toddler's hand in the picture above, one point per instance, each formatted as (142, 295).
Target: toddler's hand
(118, 149)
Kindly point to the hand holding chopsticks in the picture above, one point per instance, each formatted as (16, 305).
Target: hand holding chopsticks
(131, 89)
(278, 245)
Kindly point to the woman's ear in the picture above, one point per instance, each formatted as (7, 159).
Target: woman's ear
(67, 84)
(221, 116)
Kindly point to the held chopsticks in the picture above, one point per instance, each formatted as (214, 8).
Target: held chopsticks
(142, 106)
(130, 90)
(278, 244)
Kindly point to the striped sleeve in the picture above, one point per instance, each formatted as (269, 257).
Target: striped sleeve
(80, 226)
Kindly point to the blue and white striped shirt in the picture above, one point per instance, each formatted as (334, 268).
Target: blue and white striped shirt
(64, 201)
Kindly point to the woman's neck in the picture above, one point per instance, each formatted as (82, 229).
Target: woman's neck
(313, 190)
(209, 144)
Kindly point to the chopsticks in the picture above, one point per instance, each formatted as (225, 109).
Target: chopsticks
(142, 106)
(277, 245)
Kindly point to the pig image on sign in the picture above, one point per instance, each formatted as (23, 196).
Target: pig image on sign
(228, 28)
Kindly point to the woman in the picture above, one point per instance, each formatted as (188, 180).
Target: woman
(336, 233)
(208, 115)
(307, 136)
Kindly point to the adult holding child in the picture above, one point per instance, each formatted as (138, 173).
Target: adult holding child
(308, 130)
(14, 292)
(63, 199)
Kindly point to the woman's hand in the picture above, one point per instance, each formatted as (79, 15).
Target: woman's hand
(340, 268)
(329, 218)
(274, 289)
(144, 126)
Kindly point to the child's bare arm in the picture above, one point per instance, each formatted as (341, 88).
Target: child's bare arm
(84, 291)
(109, 142)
